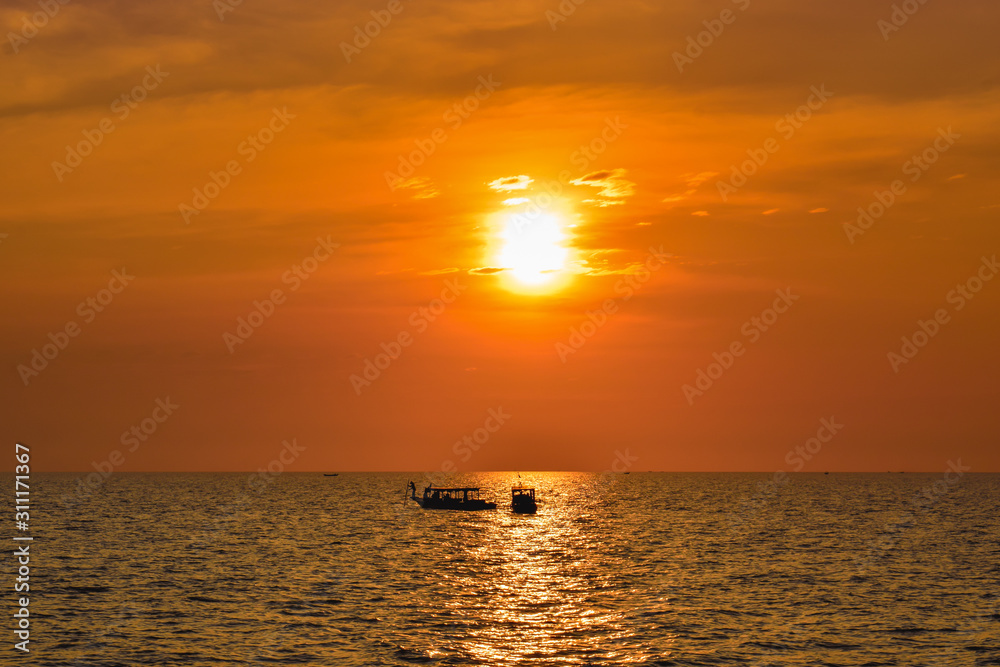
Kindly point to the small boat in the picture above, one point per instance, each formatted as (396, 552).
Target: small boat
(451, 498)
(522, 500)
(330, 474)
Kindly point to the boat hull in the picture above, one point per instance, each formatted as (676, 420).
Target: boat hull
(447, 504)
(526, 506)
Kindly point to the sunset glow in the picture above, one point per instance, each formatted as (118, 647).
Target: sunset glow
(507, 334)
(366, 224)
(534, 249)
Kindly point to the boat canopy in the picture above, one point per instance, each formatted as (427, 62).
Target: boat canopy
(453, 488)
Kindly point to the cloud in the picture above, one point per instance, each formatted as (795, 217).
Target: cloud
(819, 210)
(486, 270)
(673, 199)
(770, 211)
(437, 272)
(424, 188)
(694, 180)
(700, 213)
(514, 201)
(612, 184)
(608, 262)
(508, 183)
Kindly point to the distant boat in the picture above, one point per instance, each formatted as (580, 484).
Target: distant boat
(451, 498)
(522, 500)
(330, 474)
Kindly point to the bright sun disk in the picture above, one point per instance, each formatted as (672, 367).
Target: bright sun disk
(533, 248)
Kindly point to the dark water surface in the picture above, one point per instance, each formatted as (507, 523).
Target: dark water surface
(643, 569)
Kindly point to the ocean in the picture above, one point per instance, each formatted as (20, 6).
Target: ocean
(614, 569)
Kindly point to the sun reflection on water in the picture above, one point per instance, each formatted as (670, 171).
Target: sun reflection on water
(536, 577)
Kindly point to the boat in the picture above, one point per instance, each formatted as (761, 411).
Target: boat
(451, 498)
(330, 474)
(522, 500)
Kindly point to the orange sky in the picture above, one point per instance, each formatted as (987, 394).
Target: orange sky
(606, 110)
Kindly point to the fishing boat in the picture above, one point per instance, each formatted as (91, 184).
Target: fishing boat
(451, 498)
(522, 500)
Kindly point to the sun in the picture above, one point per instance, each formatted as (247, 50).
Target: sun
(533, 249)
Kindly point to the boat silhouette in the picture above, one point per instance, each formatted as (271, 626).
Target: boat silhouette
(450, 498)
(522, 500)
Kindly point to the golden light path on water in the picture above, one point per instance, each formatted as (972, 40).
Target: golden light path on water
(530, 581)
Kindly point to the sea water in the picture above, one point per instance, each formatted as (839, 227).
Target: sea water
(638, 569)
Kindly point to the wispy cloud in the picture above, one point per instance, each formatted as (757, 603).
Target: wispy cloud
(509, 183)
(612, 184)
(422, 186)
(694, 180)
(438, 272)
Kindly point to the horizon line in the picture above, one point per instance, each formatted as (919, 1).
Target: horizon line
(472, 472)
